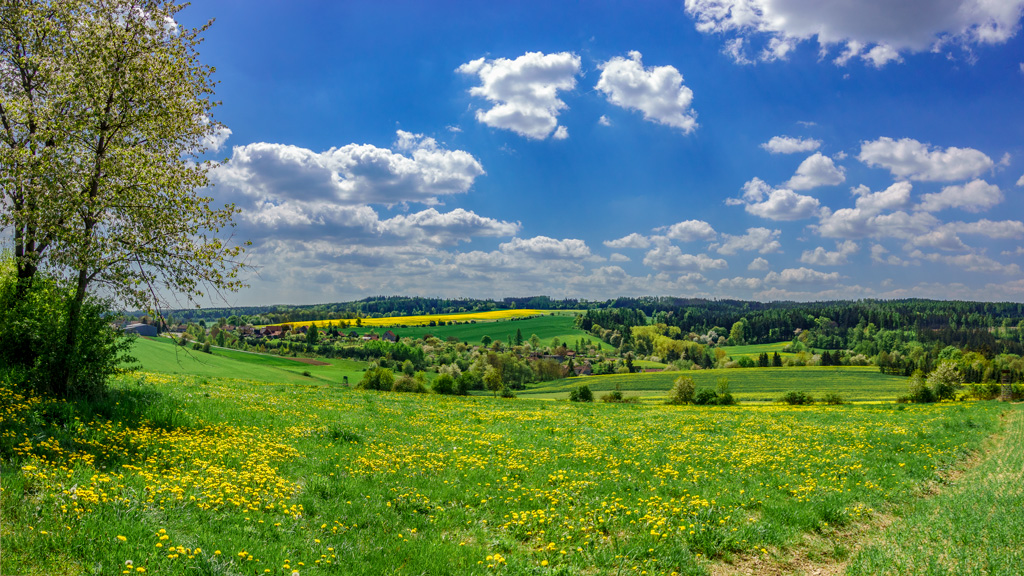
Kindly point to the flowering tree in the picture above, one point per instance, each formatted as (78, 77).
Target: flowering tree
(105, 111)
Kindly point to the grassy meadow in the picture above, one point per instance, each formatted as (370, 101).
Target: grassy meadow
(179, 474)
(162, 355)
(547, 328)
(853, 383)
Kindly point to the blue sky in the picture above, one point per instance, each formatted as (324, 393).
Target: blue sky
(753, 149)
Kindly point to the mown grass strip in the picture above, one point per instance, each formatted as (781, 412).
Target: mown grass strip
(853, 383)
(975, 525)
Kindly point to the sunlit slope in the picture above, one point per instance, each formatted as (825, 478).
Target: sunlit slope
(853, 383)
(163, 356)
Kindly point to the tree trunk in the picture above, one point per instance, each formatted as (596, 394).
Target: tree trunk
(69, 364)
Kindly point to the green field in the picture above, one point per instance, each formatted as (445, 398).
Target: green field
(197, 475)
(162, 355)
(545, 327)
(853, 383)
(754, 350)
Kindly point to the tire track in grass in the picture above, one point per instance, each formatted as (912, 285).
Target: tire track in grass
(975, 525)
(969, 523)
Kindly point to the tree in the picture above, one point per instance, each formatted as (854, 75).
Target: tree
(492, 380)
(105, 111)
(519, 337)
(945, 381)
(534, 341)
(682, 391)
(312, 335)
(486, 340)
(738, 333)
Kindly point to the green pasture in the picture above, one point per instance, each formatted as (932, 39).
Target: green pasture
(547, 328)
(196, 475)
(853, 383)
(754, 350)
(162, 355)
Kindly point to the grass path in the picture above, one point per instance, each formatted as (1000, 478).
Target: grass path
(974, 525)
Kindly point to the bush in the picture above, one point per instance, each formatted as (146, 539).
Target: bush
(405, 383)
(705, 397)
(34, 329)
(682, 391)
(444, 384)
(919, 391)
(833, 399)
(581, 394)
(613, 396)
(945, 381)
(377, 378)
(507, 392)
(797, 398)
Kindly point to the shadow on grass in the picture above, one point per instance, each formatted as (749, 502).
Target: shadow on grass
(46, 426)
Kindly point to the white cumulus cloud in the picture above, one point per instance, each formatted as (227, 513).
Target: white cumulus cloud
(909, 159)
(801, 275)
(524, 91)
(761, 240)
(672, 258)
(658, 92)
(633, 240)
(690, 230)
(975, 196)
(888, 27)
(816, 170)
(790, 145)
(353, 174)
(783, 204)
(822, 257)
(758, 264)
(545, 247)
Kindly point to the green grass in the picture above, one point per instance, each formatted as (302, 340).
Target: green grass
(973, 526)
(161, 355)
(228, 476)
(853, 383)
(754, 350)
(547, 328)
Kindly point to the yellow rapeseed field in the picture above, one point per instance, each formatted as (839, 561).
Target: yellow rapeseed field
(424, 320)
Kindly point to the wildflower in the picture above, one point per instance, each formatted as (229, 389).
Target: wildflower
(121, 538)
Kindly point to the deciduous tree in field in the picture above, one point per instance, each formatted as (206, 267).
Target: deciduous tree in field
(105, 111)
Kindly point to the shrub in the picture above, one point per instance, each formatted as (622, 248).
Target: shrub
(507, 392)
(405, 383)
(613, 396)
(377, 378)
(682, 391)
(705, 397)
(833, 399)
(945, 381)
(919, 391)
(797, 398)
(724, 396)
(34, 329)
(581, 394)
(444, 384)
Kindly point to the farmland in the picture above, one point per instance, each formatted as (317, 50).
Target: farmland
(547, 328)
(427, 319)
(161, 355)
(853, 383)
(186, 474)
